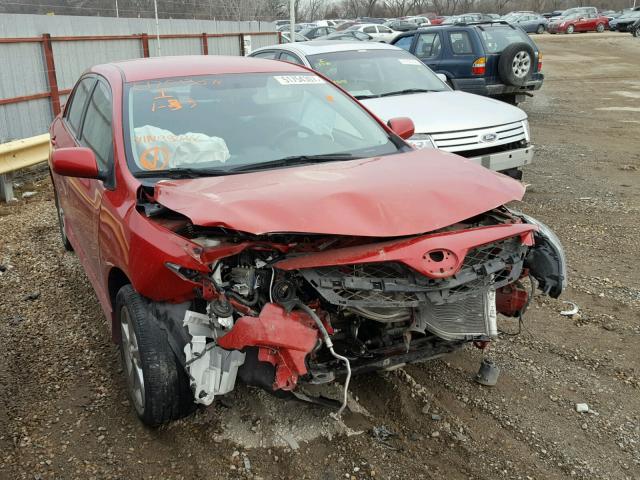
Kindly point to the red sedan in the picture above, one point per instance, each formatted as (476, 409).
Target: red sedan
(579, 22)
(247, 219)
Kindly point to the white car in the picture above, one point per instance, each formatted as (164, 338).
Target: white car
(419, 21)
(393, 83)
(379, 33)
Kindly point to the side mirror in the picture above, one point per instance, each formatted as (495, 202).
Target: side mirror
(442, 77)
(402, 126)
(75, 162)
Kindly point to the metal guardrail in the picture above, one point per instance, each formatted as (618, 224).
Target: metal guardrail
(20, 154)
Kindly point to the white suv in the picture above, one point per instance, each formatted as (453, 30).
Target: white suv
(379, 33)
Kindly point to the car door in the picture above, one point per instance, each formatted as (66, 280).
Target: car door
(461, 57)
(371, 30)
(385, 33)
(428, 48)
(94, 132)
(290, 57)
(405, 42)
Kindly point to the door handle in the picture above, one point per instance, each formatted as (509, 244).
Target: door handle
(53, 141)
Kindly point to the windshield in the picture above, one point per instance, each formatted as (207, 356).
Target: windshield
(496, 39)
(374, 73)
(224, 122)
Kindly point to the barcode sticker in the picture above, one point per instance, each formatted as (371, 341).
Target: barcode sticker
(409, 61)
(298, 79)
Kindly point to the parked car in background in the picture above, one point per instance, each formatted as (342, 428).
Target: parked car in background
(578, 22)
(419, 21)
(634, 28)
(348, 35)
(583, 10)
(492, 59)
(438, 20)
(285, 37)
(400, 25)
(380, 33)
(624, 21)
(529, 22)
(315, 32)
(391, 82)
(193, 226)
(345, 25)
(555, 13)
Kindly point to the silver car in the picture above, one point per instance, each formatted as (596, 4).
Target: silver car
(393, 83)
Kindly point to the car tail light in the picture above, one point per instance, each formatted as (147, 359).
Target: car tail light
(539, 62)
(479, 66)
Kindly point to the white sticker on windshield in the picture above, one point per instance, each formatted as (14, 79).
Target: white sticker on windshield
(409, 61)
(298, 79)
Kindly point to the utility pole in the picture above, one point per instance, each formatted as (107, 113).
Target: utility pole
(155, 7)
(292, 20)
(117, 14)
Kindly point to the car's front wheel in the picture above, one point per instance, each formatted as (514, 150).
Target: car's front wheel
(157, 385)
(600, 28)
(570, 29)
(540, 29)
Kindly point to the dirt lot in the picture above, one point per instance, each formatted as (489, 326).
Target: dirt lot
(63, 407)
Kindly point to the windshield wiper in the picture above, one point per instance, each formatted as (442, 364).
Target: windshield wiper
(182, 172)
(364, 97)
(295, 160)
(406, 91)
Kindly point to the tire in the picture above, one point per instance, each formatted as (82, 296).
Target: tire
(636, 33)
(600, 28)
(570, 29)
(157, 385)
(63, 235)
(540, 29)
(516, 64)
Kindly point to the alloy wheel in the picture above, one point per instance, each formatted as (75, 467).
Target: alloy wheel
(521, 64)
(132, 364)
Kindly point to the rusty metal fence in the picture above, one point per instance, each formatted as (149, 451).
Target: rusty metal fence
(32, 93)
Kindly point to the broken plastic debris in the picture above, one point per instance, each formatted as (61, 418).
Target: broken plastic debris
(572, 311)
(582, 407)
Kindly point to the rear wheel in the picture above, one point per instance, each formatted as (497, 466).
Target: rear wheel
(570, 29)
(636, 32)
(600, 28)
(157, 384)
(540, 29)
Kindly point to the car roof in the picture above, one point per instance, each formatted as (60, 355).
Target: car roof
(166, 67)
(315, 47)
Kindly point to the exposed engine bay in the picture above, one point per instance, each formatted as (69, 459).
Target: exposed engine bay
(282, 310)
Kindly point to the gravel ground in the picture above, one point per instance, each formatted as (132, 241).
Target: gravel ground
(64, 412)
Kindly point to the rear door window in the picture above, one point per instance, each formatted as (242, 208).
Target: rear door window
(76, 108)
(460, 43)
(369, 30)
(289, 57)
(428, 45)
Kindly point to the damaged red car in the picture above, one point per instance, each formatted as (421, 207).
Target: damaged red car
(247, 220)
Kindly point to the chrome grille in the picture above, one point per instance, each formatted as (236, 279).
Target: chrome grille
(465, 140)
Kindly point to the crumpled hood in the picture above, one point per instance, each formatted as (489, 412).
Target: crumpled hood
(449, 111)
(388, 196)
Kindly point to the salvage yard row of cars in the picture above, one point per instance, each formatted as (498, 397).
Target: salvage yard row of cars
(300, 216)
(576, 19)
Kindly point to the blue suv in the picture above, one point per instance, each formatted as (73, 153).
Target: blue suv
(493, 59)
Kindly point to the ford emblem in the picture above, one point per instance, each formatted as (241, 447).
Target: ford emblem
(489, 137)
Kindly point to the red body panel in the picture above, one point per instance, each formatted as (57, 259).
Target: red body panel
(285, 339)
(395, 195)
(414, 252)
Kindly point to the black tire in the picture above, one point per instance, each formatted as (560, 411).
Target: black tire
(540, 29)
(600, 28)
(507, 64)
(60, 213)
(165, 394)
(636, 33)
